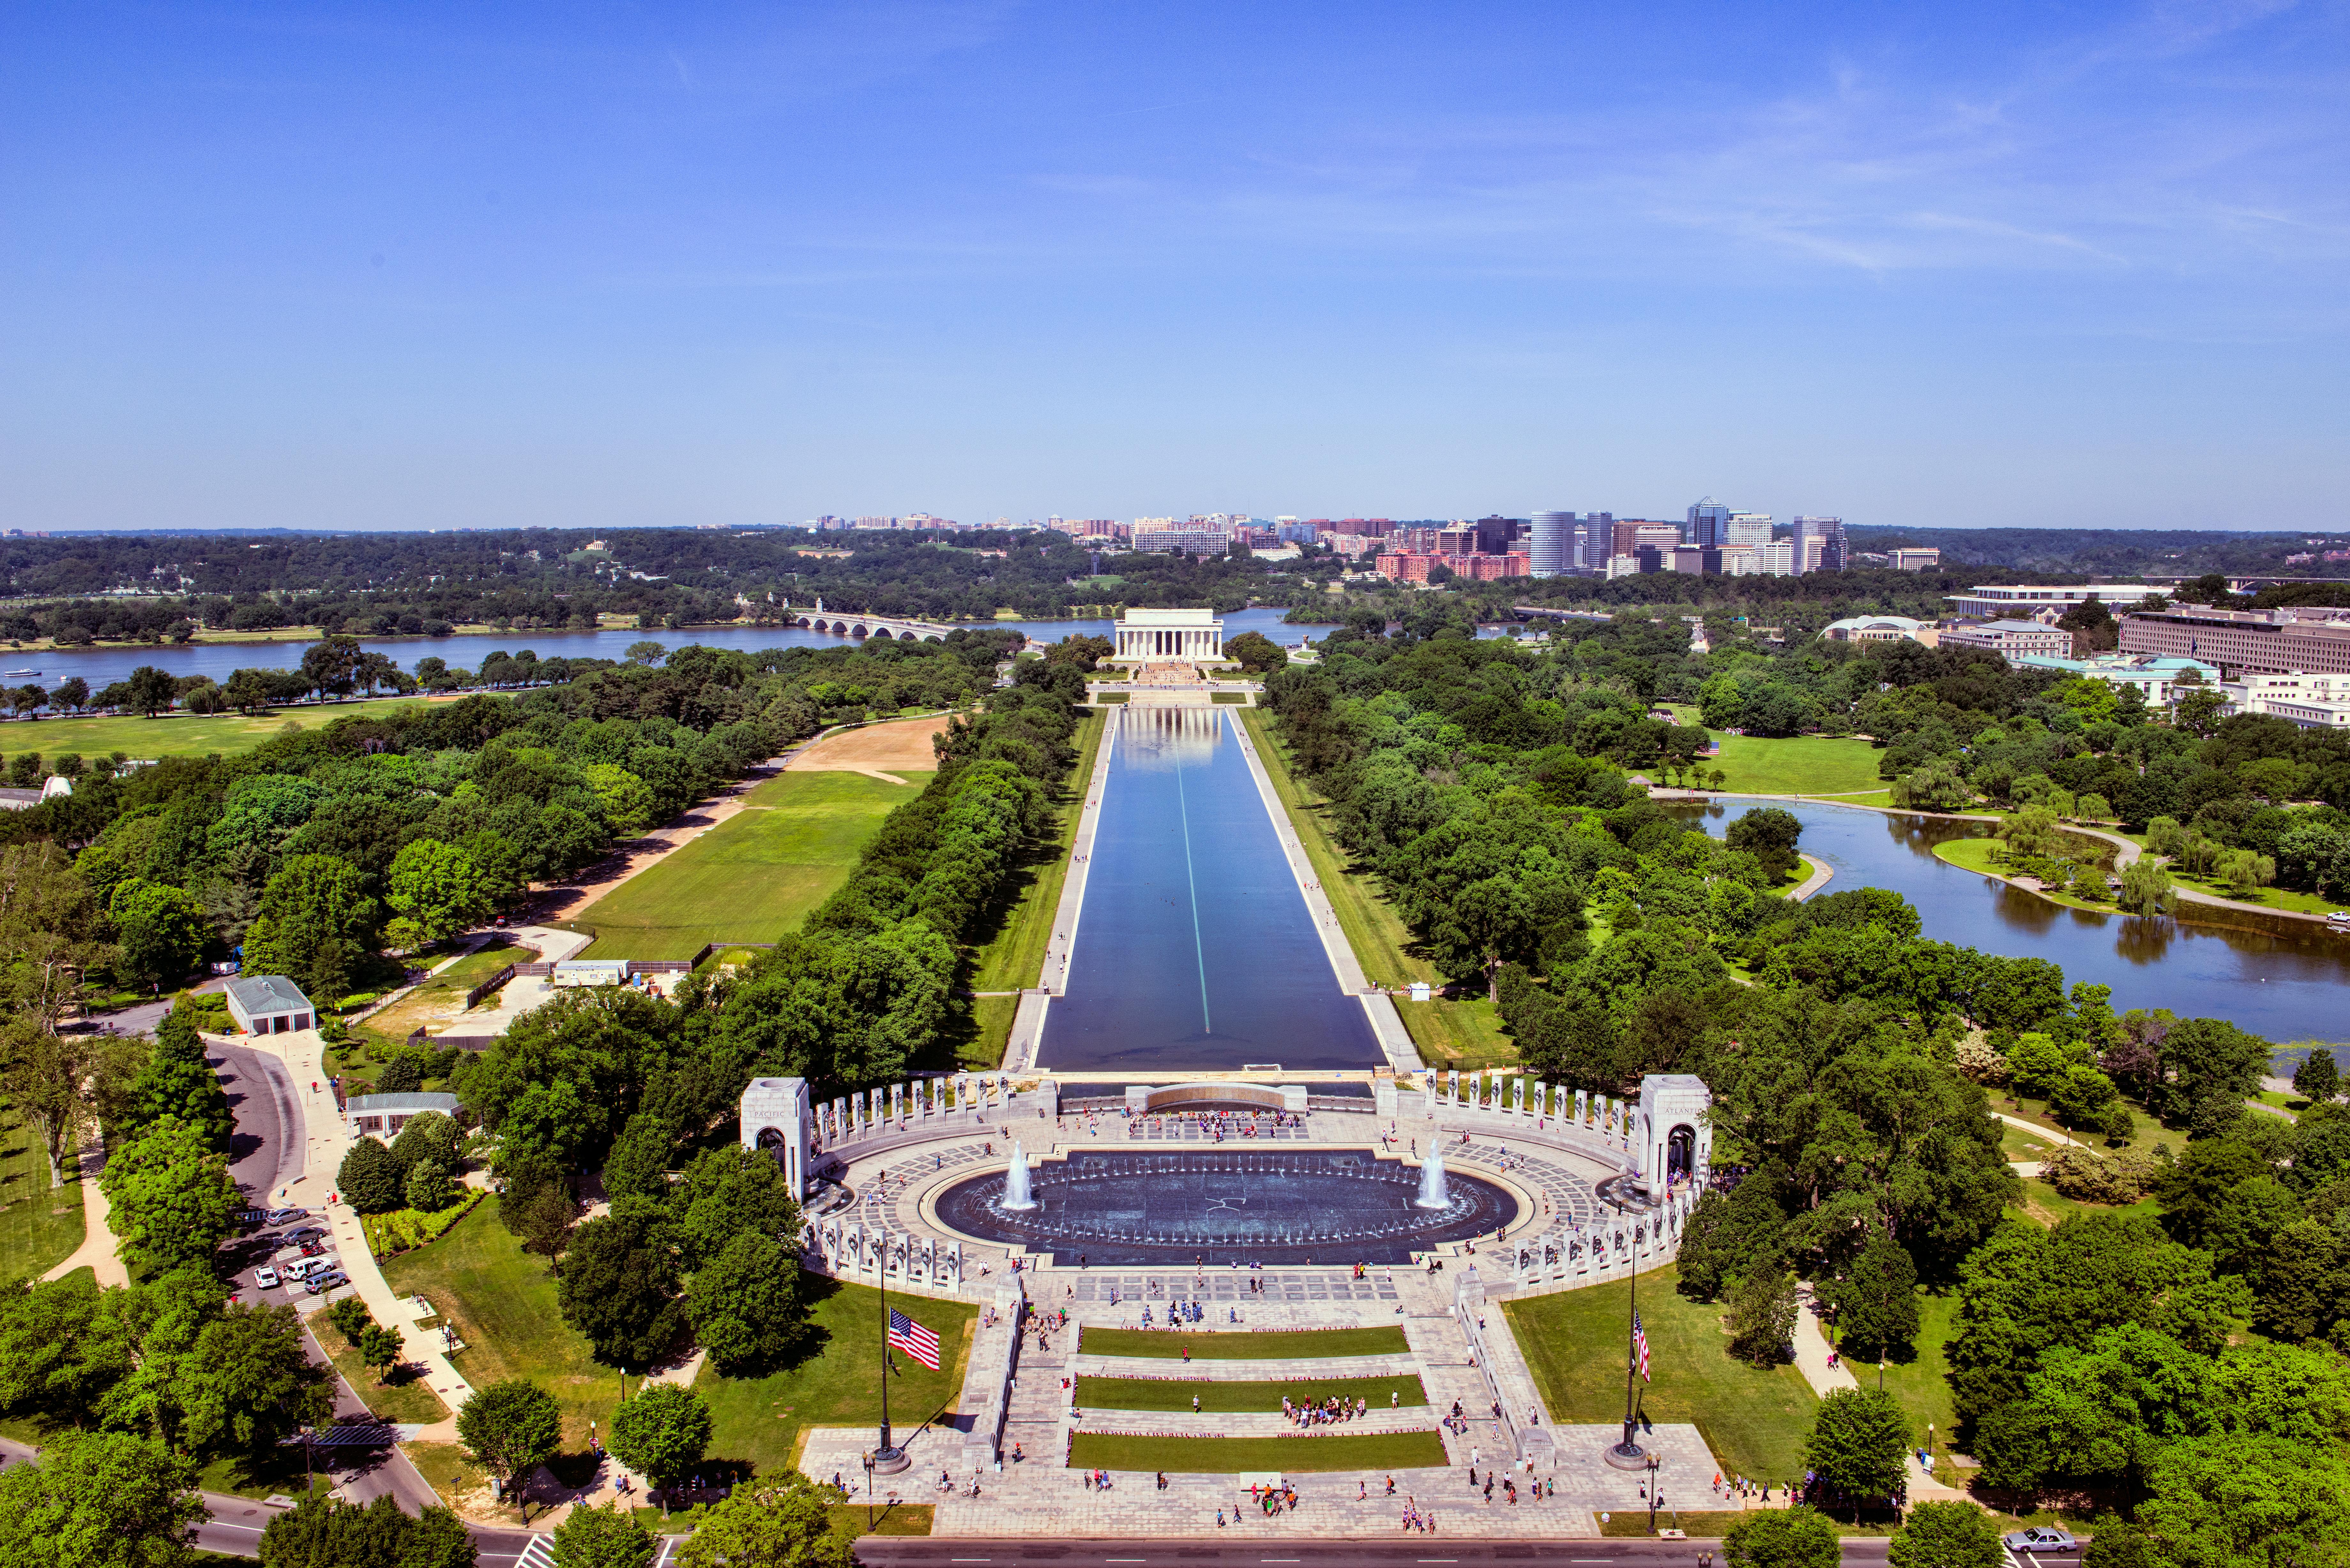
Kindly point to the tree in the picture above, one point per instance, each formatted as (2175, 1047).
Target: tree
(439, 888)
(172, 1201)
(728, 1191)
(2147, 890)
(619, 1287)
(1770, 835)
(646, 652)
(72, 694)
(602, 1538)
(1859, 1438)
(1762, 1317)
(332, 668)
(370, 1178)
(430, 1135)
(56, 1083)
(100, 1500)
(1783, 1538)
(745, 1303)
(1260, 655)
(1877, 1303)
(179, 1080)
(429, 1190)
(626, 800)
(324, 1532)
(350, 1317)
(785, 1526)
(1946, 1535)
(162, 928)
(1937, 784)
(512, 1428)
(250, 1381)
(662, 1433)
(150, 690)
(2319, 1077)
(381, 1348)
(315, 925)
(2239, 1502)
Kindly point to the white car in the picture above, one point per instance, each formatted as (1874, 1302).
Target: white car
(264, 1279)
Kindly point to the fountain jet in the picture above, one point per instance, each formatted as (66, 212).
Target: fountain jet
(1015, 1181)
(1433, 1192)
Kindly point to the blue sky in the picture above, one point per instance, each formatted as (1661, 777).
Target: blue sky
(1988, 263)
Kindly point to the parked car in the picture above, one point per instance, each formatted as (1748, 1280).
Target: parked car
(264, 1279)
(305, 1233)
(318, 1284)
(280, 1216)
(2037, 1540)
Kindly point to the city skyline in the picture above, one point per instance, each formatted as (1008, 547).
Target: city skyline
(433, 268)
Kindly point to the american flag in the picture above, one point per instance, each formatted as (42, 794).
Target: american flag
(1640, 1343)
(913, 1338)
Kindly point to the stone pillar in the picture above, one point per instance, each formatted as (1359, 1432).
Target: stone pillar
(1518, 1095)
(896, 1104)
(1582, 1104)
(1453, 1087)
(1383, 1097)
(839, 1120)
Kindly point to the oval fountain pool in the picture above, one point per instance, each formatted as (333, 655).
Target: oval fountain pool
(1325, 1206)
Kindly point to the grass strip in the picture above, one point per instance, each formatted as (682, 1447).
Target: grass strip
(1290, 1456)
(190, 734)
(1227, 1396)
(1014, 958)
(1305, 1344)
(406, 1398)
(1755, 1420)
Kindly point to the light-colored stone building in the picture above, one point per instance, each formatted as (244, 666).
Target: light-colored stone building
(1170, 637)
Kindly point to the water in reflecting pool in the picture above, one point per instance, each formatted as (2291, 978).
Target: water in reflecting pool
(2286, 980)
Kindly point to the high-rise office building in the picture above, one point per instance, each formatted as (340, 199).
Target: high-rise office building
(1594, 540)
(1747, 530)
(1553, 550)
(1829, 554)
(1709, 523)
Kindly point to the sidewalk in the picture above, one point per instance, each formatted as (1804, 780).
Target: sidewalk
(1811, 1352)
(325, 1142)
(97, 1251)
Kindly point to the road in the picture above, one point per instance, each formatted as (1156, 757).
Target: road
(1269, 1546)
(267, 1150)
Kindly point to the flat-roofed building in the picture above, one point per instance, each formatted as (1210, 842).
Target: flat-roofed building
(1924, 559)
(2263, 642)
(1169, 636)
(2023, 598)
(1880, 628)
(2011, 638)
(2159, 679)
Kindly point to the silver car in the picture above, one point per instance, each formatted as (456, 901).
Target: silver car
(2038, 1540)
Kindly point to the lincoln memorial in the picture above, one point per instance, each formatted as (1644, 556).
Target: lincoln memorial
(1169, 636)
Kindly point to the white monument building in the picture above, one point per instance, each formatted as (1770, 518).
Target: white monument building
(1170, 637)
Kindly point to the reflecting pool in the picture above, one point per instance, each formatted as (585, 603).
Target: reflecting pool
(2284, 980)
(1194, 947)
(1326, 1206)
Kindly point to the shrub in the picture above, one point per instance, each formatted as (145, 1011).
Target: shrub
(2086, 1176)
(371, 1178)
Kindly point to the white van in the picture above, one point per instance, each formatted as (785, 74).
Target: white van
(303, 1268)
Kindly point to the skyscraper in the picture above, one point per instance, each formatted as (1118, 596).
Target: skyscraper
(1594, 540)
(1709, 523)
(1554, 544)
(1830, 550)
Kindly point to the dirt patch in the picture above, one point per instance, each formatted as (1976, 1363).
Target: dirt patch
(900, 746)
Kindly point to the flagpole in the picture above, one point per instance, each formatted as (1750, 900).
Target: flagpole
(887, 1458)
(1628, 1455)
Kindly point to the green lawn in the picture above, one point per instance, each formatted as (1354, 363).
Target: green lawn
(406, 1398)
(501, 1301)
(1305, 1344)
(1799, 764)
(1383, 944)
(182, 734)
(40, 1226)
(1013, 958)
(837, 1382)
(755, 876)
(1922, 1383)
(1290, 1456)
(1754, 1421)
(1977, 855)
(1457, 1036)
(991, 1018)
(1222, 1396)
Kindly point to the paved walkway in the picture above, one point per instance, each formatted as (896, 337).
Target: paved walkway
(98, 1249)
(1812, 1359)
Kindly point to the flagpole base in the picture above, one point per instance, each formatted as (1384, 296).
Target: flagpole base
(889, 1462)
(1626, 1456)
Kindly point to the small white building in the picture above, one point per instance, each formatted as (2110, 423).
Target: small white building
(590, 971)
(1880, 628)
(269, 1004)
(382, 1116)
(13, 799)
